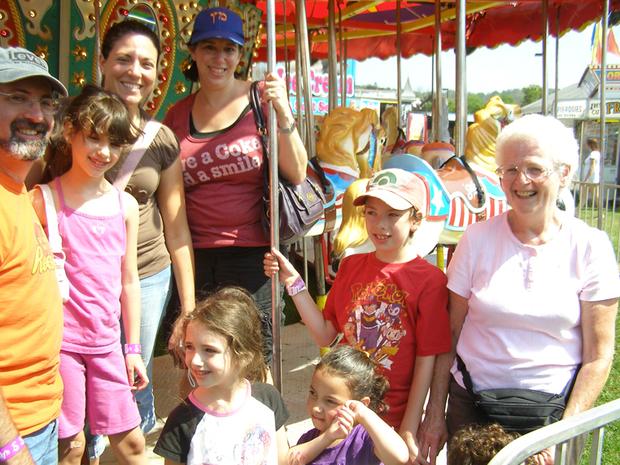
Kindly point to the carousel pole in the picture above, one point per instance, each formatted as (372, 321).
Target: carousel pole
(276, 364)
(545, 34)
(64, 42)
(302, 25)
(301, 123)
(399, 31)
(437, 102)
(602, 112)
(343, 62)
(300, 7)
(302, 131)
(97, 6)
(331, 56)
(437, 109)
(557, 61)
(461, 80)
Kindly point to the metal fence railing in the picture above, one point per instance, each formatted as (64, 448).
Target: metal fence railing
(587, 208)
(560, 433)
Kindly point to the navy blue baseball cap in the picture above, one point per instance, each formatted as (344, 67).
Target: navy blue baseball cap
(217, 23)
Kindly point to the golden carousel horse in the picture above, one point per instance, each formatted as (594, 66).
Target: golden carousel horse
(483, 132)
(395, 139)
(349, 147)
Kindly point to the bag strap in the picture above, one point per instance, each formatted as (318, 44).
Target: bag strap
(470, 388)
(53, 236)
(137, 151)
(466, 378)
(259, 117)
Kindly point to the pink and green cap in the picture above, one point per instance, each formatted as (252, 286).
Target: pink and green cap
(398, 188)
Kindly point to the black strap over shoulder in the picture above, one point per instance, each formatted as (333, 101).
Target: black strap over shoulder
(259, 117)
(466, 378)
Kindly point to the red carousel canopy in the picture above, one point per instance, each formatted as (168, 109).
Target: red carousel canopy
(369, 27)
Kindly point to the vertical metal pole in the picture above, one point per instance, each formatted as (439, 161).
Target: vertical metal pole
(437, 107)
(300, 8)
(276, 364)
(461, 80)
(343, 61)
(399, 30)
(545, 34)
(287, 62)
(64, 40)
(557, 60)
(603, 113)
(301, 121)
(331, 56)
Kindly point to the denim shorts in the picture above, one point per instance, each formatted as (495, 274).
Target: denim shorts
(43, 444)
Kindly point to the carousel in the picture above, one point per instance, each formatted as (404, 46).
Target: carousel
(349, 145)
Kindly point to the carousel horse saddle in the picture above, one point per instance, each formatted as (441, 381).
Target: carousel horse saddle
(462, 181)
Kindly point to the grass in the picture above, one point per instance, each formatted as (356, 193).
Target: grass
(611, 451)
(610, 224)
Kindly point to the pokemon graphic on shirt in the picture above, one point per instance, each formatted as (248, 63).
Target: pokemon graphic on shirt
(375, 322)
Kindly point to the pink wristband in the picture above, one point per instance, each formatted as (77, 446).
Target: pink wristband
(296, 287)
(11, 449)
(133, 349)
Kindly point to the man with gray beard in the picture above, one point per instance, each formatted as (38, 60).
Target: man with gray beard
(30, 304)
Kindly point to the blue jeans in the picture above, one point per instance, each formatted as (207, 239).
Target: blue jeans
(154, 297)
(43, 444)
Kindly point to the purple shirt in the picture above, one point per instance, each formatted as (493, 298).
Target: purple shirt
(356, 448)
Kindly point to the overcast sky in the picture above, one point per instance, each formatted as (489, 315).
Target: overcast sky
(489, 70)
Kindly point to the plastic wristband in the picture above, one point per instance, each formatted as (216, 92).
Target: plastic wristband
(133, 349)
(11, 449)
(296, 287)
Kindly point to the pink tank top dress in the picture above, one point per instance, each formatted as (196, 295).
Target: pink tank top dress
(95, 247)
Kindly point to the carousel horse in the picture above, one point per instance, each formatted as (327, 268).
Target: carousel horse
(437, 153)
(394, 135)
(396, 141)
(461, 191)
(483, 132)
(348, 148)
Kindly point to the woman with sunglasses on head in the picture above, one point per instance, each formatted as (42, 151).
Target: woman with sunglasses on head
(533, 292)
(223, 161)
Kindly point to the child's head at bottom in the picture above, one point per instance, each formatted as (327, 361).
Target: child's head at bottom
(344, 373)
(478, 444)
(222, 339)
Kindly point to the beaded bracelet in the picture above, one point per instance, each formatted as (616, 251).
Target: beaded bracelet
(11, 449)
(133, 349)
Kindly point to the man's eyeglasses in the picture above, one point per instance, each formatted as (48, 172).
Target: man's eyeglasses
(534, 173)
(48, 105)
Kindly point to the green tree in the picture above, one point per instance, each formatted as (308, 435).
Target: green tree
(531, 94)
(475, 102)
(507, 96)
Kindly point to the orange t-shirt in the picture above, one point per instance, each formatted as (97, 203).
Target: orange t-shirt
(30, 314)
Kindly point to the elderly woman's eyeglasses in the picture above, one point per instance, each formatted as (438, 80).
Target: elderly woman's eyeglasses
(48, 105)
(534, 173)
